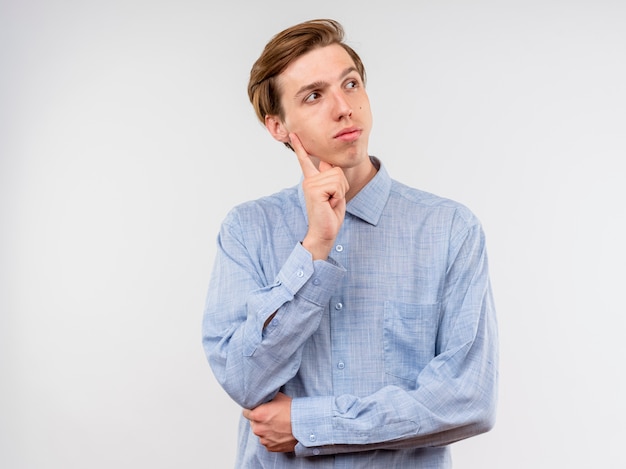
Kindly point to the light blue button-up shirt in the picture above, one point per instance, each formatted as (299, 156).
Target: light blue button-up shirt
(388, 348)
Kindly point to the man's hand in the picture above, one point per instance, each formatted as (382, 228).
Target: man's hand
(271, 422)
(325, 191)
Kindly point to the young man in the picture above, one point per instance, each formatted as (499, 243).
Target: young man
(350, 316)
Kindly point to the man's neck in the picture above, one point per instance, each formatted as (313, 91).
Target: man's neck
(358, 178)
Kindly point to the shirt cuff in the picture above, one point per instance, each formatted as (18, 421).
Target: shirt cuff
(312, 424)
(314, 281)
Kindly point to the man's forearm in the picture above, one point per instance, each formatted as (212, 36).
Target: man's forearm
(261, 349)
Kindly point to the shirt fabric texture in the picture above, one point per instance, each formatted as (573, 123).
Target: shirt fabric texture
(388, 348)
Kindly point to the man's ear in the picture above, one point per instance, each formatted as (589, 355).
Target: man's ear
(276, 127)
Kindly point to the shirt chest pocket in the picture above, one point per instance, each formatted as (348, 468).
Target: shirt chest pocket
(409, 338)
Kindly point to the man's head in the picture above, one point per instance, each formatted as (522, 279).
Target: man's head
(263, 88)
(308, 82)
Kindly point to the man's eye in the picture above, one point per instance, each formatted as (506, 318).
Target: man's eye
(312, 97)
(352, 84)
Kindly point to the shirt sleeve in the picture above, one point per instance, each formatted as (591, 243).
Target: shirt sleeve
(251, 361)
(455, 394)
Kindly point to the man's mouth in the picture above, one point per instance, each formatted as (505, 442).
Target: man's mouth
(348, 134)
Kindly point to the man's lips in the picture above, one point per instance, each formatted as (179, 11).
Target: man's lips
(348, 134)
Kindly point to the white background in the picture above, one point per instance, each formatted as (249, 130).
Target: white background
(126, 135)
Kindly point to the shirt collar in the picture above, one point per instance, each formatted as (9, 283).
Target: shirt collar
(369, 203)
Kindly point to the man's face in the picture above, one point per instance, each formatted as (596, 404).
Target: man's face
(325, 104)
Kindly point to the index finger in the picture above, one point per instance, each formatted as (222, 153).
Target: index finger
(308, 168)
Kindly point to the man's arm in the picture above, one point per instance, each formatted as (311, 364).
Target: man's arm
(250, 356)
(253, 333)
(456, 392)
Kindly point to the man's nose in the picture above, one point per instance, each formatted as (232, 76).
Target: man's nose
(342, 106)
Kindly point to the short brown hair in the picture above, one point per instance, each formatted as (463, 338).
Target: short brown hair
(283, 49)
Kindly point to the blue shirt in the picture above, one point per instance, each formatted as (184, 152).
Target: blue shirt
(388, 348)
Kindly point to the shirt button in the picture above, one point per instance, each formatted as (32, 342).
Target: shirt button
(316, 281)
(316, 452)
(338, 306)
(341, 365)
(300, 273)
(312, 437)
(339, 248)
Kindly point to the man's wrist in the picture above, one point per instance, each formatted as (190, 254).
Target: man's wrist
(319, 250)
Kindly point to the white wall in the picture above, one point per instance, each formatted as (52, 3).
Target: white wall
(126, 135)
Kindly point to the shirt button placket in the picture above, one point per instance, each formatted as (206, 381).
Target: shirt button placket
(340, 364)
(338, 351)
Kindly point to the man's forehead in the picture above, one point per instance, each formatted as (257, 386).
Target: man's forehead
(323, 64)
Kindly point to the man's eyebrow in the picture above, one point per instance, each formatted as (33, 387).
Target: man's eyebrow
(316, 85)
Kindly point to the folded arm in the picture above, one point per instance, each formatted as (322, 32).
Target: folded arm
(455, 394)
